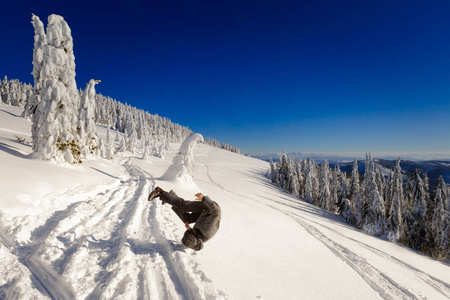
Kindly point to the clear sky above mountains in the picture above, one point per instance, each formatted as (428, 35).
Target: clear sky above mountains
(316, 76)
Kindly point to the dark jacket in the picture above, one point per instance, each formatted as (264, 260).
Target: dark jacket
(209, 221)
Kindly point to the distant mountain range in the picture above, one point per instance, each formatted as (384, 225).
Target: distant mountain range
(349, 156)
(434, 168)
(410, 162)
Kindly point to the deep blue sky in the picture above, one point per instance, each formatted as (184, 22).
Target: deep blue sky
(317, 76)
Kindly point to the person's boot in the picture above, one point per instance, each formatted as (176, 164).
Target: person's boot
(155, 194)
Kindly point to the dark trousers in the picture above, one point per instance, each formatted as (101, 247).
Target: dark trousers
(188, 211)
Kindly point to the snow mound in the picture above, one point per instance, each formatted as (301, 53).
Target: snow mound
(183, 162)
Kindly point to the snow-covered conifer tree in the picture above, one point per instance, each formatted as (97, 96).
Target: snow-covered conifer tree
(123, 144)
(373, 207)
(429, 244)
(311, 186)
(6, 95)
(301, 179)
(55, 124)
(325, 200)
(147, 153)
(415, 212)
(283, 170)
(380, 180)
(272, 172)
(346, 211)
(440, 225)
(133, 141)
(342, 193)
(354, 185)
(394, 221)
(355, 195)
(292, 183)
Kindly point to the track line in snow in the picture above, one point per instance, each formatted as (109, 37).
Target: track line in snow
(211, 179)
(437, 284)
(380, 282)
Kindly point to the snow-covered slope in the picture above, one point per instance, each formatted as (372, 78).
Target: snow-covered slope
(88, 231)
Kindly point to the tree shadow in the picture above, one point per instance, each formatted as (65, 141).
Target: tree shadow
(13, 151)
(10, 113)
(104, 173)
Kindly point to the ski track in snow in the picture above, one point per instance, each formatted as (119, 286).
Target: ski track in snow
(380, 282)
(112, 244)
(437, 284)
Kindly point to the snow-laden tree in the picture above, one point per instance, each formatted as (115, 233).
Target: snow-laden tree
(133, 141)
(301, 178)
(273, 173)
(342, 192)
(122, 143)
(55, 123)
(356, 195)
(283, 170)
(440, 223)
(5, 92)
(3, 88)
(292, 177)
(325, 197)
(429, 244)
(346, 211)
(373, 207)
(394, 221)
(147, 153)
(335, 186)
(13, 92)
(415, 212)
(86, 120)
(311, 183)
(380, 180)
(354, 185)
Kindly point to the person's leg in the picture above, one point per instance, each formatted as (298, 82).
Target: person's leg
(195, 207)
(186, 216)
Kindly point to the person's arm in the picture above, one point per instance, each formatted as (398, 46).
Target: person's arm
(205, 199)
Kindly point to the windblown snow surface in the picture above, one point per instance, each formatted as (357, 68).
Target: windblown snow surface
(88, 232)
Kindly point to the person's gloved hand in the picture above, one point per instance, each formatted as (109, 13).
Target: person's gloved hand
(199, 196)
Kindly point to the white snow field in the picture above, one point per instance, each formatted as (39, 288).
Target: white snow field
(88, 232)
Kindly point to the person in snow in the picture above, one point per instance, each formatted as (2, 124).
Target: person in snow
(204, 212)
